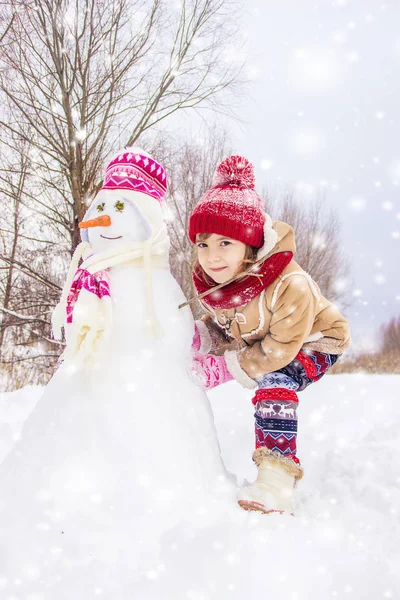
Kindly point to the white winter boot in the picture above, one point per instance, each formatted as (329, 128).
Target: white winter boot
(273, 489)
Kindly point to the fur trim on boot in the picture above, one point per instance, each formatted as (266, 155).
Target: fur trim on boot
(265, 454)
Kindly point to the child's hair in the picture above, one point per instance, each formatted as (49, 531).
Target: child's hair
(250, 256)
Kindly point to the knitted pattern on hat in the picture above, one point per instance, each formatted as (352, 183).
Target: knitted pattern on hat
(232, 207)
(134, 170)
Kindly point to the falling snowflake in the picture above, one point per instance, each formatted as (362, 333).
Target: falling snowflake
(315, 69)
(380, 279)
(131, 387)
(306, 142)
(266, 164)
(152, 575)
(305, 188)
(339, 37)
(168, 214)
(357, 203)
(394, 171)
(340, 285)
(353, 57)
(319, 241)
(80, 135)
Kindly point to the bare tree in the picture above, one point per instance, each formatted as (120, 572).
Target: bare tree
(191, 174)
(27, 289)
(317, 230)
(390, 336)
(8, 270)
(7, 24)
(88, 76)
(318, 246)
(384, 359)
(80, 79)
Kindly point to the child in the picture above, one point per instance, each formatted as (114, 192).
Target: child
(267, 325)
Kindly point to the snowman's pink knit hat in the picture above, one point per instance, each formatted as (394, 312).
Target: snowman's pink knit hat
(134, 170)
(232, 207)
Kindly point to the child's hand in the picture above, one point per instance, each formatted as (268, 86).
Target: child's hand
(205, 340)
(209, 371)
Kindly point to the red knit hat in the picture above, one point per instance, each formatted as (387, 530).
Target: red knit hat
(232, 207)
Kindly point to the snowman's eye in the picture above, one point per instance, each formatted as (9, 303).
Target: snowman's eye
(119, 206)
(100, 207)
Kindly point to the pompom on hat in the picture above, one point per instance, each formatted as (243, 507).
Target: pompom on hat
(232, 207)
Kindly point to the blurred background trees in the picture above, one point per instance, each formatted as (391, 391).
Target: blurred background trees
(79, 80)
(390, 336)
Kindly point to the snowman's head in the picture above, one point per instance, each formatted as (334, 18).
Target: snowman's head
(128, 207)
(113, 220)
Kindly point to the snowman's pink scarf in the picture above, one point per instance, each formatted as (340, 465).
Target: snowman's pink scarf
(97, 283)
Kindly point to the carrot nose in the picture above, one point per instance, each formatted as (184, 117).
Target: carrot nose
(101, 221)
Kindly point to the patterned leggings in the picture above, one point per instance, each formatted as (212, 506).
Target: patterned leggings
(276, 400)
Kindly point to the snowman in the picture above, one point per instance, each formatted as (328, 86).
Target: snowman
(122, 444)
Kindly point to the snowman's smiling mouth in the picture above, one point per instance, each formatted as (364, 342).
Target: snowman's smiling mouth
(111, 238)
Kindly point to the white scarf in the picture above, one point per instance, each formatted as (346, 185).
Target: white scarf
(96, 322)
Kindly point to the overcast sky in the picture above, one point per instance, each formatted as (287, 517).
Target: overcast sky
(323, 112)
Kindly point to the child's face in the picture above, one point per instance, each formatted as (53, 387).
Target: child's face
(220, 257)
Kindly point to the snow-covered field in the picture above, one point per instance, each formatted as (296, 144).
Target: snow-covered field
(344, 541)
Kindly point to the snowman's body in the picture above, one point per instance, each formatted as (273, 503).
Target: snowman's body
(169, 417)
(115, 451)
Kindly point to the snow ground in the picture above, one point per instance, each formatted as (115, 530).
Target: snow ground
(342, 543)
